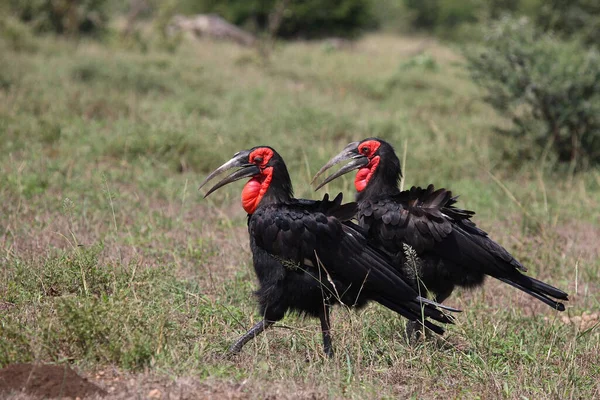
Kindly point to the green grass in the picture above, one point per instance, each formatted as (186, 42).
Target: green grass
(111, 258)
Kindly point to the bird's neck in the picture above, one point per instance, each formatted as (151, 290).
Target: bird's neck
(277, 194)
(383, 182)
(264, 190)
(376, 190)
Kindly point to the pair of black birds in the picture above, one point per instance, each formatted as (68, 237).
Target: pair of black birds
(308, 255)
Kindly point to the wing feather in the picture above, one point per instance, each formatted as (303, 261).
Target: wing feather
(342, 249)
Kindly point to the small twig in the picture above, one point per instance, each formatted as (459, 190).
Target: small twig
(328, 277)
(403, 177)
(362, 285)
(110, 201)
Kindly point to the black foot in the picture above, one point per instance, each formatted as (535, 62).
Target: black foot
(328, 351)
(416, 332)
(251, 334)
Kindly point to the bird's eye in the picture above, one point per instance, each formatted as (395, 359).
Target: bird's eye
(258, 160)
(365, 150)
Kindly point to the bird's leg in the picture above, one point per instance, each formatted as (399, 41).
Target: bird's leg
(325, 329)
(251, 334)
(415, 331)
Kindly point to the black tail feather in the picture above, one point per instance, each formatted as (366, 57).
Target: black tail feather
(548, 289)
(539, 294)
(416, 315)
(416, 311)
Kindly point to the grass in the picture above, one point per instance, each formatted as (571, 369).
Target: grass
(112, 260)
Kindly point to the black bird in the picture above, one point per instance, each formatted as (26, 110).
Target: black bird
(306, 254)
(452, 250)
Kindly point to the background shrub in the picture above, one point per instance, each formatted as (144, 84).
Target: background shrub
(444, 16)
(548, 87)
(302, 18)
(72, 17)
(17, 35)
(577, 18)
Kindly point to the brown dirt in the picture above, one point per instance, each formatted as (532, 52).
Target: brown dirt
(580, 239)
(46, 381)
(122, 385)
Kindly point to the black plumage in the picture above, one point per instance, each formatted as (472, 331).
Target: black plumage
(452, 250)
(308, 256)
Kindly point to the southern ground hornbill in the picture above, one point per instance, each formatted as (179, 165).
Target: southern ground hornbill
(308, 256)
(451, 249)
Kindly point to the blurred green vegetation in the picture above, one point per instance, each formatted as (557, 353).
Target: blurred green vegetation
(455, 20)
(458, 19)
(300, 18)
(578, 19)
(69, 17)
(549, 88)
(545, 82)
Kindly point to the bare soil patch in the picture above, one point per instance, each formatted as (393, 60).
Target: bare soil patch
(46, 381)
(580, 239)
(122, 385)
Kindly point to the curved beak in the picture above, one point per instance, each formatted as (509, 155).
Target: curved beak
(349, 152)
(239, 160)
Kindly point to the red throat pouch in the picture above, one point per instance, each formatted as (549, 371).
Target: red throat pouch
(255, 189)
(364, 175)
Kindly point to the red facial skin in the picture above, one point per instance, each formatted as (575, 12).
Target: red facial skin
(256, 187)
(364, 174)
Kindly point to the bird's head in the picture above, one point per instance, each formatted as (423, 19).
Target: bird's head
(375, 160)
(269, 177)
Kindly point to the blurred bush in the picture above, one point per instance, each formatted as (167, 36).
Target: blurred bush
(424, 13)
(575, 18)
(444, 17)
(392, 15)
(550, 89)
(17, 35)
(494, 9)
(70, 17)
(455, 20)
(301, 18)
(570, 19)
(422, 61)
